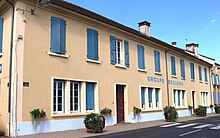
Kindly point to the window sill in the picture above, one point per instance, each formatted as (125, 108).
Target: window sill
(67, 115)
(1, 54)
(151, 110)
(183, 78)
(173, 76)
(120, 66)
(57, 55)
(192, 80)
(181, 108)
(142, 70)
(93, 61)
(200, 81)
(158, 73)
(206, 82)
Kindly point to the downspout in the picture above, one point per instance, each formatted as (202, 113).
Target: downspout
(210, 78)
(168, 94)
(10, 68)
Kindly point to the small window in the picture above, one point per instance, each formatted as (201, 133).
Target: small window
(205, 72)
(179, 98)
(204, 98)
(157, 61)
(1, 33)
(173, 66)
(0, 68)
(192, 71)
(74, 97)
(182, 68)
(141, 60)
(157, 90)
(119, 52)
(143, 106)
(92, 44)
(90, 104)
(200, 73)
(58, 96)
(150, 97)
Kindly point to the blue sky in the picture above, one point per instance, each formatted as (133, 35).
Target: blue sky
(198, 21)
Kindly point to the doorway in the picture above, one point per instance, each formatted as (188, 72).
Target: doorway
(120, 103)
(193, 100)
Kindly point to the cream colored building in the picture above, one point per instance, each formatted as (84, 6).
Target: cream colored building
(69, 61)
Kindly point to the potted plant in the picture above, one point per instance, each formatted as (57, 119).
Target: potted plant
(211, 107)
(170, 113)
(217, 109)
(200, 111)
(106, 112)
(37, 113)
(2, 133)
(94, 123)
(190, 108)
(136, 111)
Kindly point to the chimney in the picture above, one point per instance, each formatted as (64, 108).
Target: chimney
(194, 48)
(144, 28)
(173, 44)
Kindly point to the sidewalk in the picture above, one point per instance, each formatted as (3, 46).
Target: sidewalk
(111, 129)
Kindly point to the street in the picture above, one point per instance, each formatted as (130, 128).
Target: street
(202, 128)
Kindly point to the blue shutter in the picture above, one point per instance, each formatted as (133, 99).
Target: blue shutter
(58, 35)
(141, 64)
(89, 96)
(215, 79)
(192, 71)
(174, 96)
(62, 36)
(113, 50)
(200, 73)
(179, 97)
(182, 67)
(214, 97)
(1, 33)
(206, 77)
(150, 95)
(173, 65)
(157, 94)
(183, 95)
(92, 44)
(126, 45)
(218, 97)
(157, 60)
(142, 96)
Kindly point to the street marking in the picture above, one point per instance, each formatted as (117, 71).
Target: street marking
(216, 127)
(203, 126)
(169, 125)
(187, 125)
(190, 132)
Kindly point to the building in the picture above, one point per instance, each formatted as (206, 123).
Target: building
(69, 61)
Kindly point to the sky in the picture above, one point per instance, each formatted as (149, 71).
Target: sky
(182, 21)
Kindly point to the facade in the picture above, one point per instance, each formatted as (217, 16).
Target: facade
(216, 84)
(69, 61)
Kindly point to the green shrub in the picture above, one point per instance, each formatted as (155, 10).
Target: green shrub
(37, 113)
(106, 112)
(170, 113)
(217, 109)
(94, 123)
(2, 133)
(200, 111)
(190, 107)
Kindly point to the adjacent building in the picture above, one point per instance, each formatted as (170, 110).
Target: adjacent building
(70, 61)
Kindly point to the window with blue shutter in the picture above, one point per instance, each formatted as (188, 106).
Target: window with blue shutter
(90, 96)
(113, 50)
(205, 72)
(126, 45)
(218, 97)
(58, 35)
(150, 97)
(214, 97)
(143, 97)
(157, 60)
(182, 68)
(1, 33)
(141, 64)
(192, 71)
(179, 94)
(173, 66)
(174, 97)
(200, 73)
(183, 98)
(92, 44)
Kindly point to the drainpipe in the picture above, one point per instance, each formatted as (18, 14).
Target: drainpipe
(210, 76)
(168, 94)
(10, 68)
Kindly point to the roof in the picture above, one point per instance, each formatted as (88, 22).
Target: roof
(85, 12)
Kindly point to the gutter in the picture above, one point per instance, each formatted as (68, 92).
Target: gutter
(10, 68)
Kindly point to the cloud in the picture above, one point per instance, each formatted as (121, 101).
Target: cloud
(213, 20)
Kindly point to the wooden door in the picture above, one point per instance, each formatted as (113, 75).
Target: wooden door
(120, 103)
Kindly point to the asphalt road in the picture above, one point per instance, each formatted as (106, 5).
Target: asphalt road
(202, 128)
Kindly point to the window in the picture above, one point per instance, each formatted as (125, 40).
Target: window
(157, 60)
(141, 62)
(118, 53)
(204, 98)
(182, 68)
(58, 35)
(178, 98)
(192, 71)
(58, 96)
(74, 97)
(90, 97)
(0, 68)
(214, 97)
(92, 44)
(205, 72)
(200, 73)
(173, 66)
(151, 96)
(1, 33)
(218, 97)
